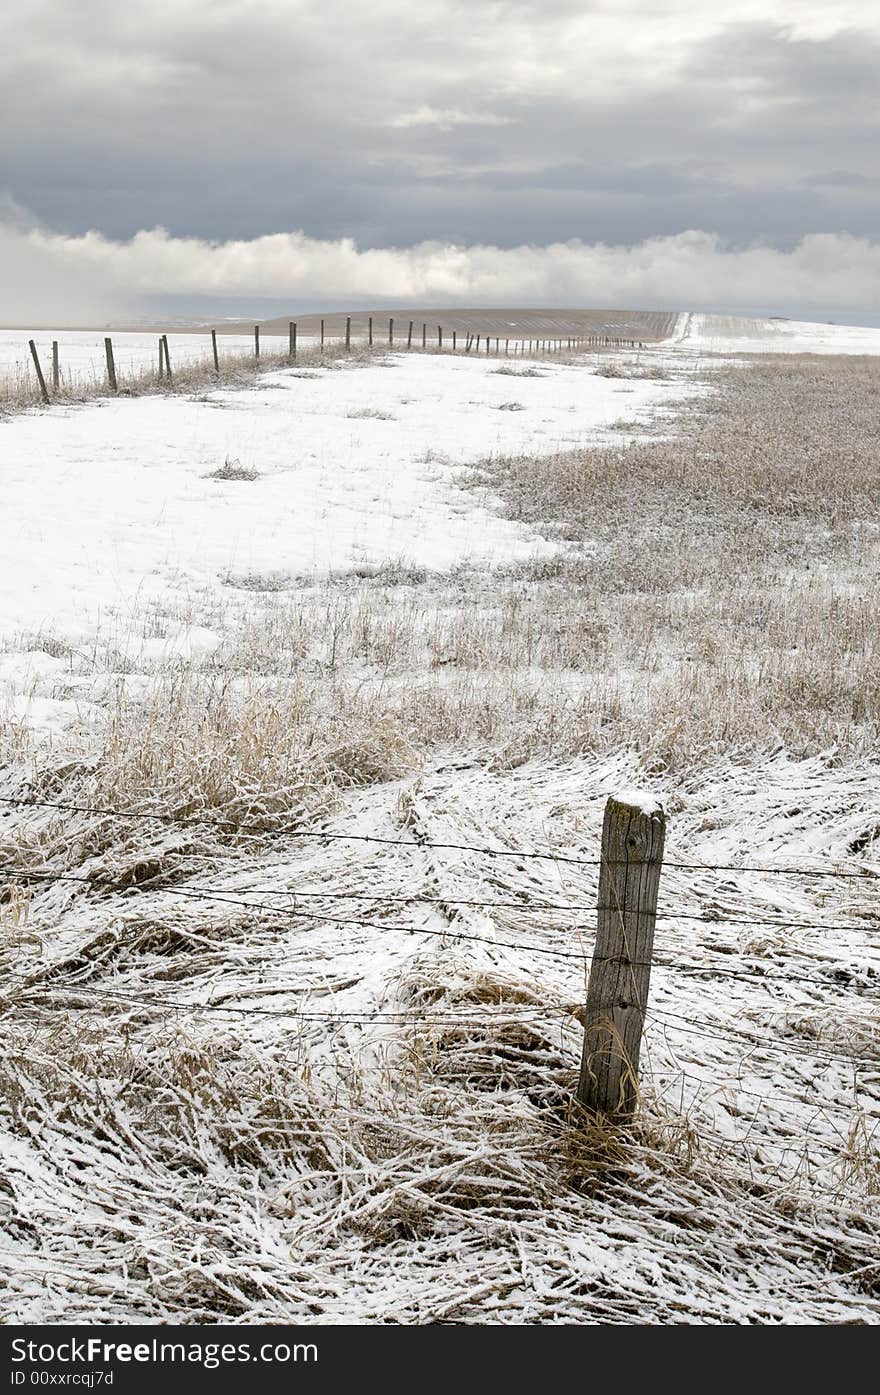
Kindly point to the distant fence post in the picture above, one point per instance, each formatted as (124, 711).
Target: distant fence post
(390, 333)
(291, 339)
(632, 854)
(424, 335)
(256, 341)
(167, 357)
(370, 331)
(44, 391)
(214, 350)
(454, 335)
(409, 335)
(322, 336)
(348, 332)
(111, 364)
(439, 336)
(56, 367)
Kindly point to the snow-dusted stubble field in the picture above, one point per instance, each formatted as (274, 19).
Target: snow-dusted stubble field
(282, 1039)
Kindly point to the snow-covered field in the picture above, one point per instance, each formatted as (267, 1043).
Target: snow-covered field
(112, 507)
(301, 789)
(731, 334)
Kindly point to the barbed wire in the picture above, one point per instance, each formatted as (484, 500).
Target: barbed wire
(446, 932)
(425, 844)
(232, 897)
(662, 1016)
(694, 1027)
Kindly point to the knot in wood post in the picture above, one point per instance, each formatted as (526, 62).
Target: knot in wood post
(633, 835)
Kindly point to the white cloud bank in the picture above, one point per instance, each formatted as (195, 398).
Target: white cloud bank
(50, 276)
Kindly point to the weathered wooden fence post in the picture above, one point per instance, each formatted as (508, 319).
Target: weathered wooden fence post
(291, 339)
(256, 341)
(409, 335)
(56, 367)
(214, 351)
(439, 336)
(44, 391)
(167, 357)
(370, 331)
(454, 338)
(424, 335)
(632, 853)
(111, 365)
(322, 336)
(348, 333)
(390, 334)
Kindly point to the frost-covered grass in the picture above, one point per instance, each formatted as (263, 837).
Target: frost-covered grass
(252, 1075)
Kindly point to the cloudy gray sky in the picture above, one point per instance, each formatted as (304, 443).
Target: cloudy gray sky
(440, 151)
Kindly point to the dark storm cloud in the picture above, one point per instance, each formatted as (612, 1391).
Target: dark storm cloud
(233, 119)
(501, 123)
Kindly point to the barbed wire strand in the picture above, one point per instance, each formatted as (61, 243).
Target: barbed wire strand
(321, 834)
(232, 897)
(444, 933)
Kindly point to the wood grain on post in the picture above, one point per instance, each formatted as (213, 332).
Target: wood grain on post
(111, 365)
(214, 350)
(44, 391)
(632, 853)
(56, 367)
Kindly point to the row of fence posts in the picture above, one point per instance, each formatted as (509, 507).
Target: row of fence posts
(472, 344)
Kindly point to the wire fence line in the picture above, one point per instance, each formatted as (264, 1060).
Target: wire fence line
(233, 895)
(526, 854)
(414, 1017)
(230, 898)
(55, 380)
(406, 1016)
(42, 984)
